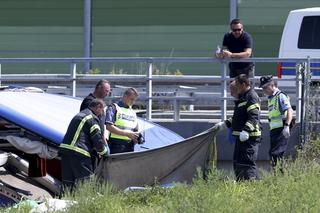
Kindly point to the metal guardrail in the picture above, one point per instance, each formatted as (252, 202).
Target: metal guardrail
(149, 78)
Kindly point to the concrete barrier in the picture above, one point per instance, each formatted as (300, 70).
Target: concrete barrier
(224, 147)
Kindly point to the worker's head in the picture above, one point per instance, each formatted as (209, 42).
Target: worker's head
(233, 89)
(268, 84)
(236, 27)
(102, 89)
(97, 106)
(130, 96)
(242, 83)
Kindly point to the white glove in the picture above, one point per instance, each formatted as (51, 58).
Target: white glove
(286, 131)
(221, 126)
(244, 135)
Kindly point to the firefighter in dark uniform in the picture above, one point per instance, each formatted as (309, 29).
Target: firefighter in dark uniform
(245, 126)
(82, 137)
(122, 123)
(102, 89)
(280, 118)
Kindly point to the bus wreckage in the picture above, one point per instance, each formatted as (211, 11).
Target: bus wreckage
(33, 124)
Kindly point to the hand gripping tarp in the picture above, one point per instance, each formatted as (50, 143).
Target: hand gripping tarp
(173, 163)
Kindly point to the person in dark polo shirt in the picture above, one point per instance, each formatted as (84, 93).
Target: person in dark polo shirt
(237, 44)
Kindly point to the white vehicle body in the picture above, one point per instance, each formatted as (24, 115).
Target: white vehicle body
(300, 39)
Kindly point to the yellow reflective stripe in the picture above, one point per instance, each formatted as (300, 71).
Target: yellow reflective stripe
(276, 124)
(253, 106)
(276, 117)
(251, 127)
(76, 149)
(119, 136)
(76, 135)
(122, 121)
(242, 104)
(235, 133)
(103, 152)
(94, 127)
(257, 133)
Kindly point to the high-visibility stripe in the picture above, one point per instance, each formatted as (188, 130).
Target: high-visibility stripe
(275, 124)
(126, 119)
(76, 149)
(103, 152)
(253, 106)
(257, 133)
(94, 127)
(72, 145)
(251, 127)
(275, 116)
(124, 127)
(242, 104)
(279, 117)
(76, 135)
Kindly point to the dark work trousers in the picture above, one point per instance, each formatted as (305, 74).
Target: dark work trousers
(244, 159)
(119, 146)
(249, 71)
(278, 146)
(74, 168)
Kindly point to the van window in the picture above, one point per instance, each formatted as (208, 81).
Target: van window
(309, 36)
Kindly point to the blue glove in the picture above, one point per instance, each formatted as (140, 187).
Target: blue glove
(231, 138)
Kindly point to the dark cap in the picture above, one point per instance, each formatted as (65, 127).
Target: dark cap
(264, 80)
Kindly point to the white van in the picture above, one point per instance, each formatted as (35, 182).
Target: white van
(300, 39)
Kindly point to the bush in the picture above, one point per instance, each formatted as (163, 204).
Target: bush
(310, 151)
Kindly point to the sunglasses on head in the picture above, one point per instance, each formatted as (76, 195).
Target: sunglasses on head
(236, 30)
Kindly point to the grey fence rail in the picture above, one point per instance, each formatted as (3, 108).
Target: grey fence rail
(149, 79)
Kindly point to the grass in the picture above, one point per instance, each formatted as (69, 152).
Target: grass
(295, 190)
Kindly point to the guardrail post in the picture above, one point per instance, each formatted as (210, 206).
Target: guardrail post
(298, 92)
(87, 43)
(176, 109)
(224, 91)
(149, 91)
(73, 73)
(306, 102)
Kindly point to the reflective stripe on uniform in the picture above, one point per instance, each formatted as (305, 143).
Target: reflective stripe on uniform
(76, 149)
(103, 152)
(257, 133)
(275, 116)
(275, 124)
(126, 119)
(242, 104)
(253, 106)
(94, 127)
(73, 146)
(76, 135)
(249, 125)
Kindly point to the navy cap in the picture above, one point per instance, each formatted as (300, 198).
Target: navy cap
(264, 80)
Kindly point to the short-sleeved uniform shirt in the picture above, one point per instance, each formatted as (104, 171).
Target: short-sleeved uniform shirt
(283, 100)
(112, 111)
(237, 45)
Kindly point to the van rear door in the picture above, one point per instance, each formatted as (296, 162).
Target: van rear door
(300, 39)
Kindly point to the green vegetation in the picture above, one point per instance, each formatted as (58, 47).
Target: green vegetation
(296, 190)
